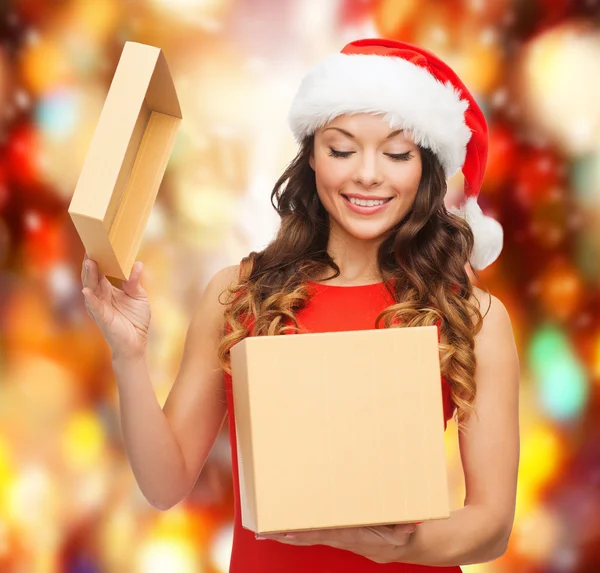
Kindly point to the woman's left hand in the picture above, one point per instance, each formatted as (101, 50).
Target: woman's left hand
(375, 543)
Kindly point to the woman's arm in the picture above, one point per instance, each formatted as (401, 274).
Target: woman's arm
(168, 447)
(489, 447)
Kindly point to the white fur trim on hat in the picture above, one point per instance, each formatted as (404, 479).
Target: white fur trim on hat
(487, 232)
(408, 95)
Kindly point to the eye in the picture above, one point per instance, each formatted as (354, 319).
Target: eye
(399, 156)
(335, 153)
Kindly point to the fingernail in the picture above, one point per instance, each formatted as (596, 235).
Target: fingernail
(259, 537)
(87, 265)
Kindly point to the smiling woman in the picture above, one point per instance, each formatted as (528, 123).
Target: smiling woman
(366, 177)
(365, 242)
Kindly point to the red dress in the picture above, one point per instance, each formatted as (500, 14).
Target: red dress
(331, 308)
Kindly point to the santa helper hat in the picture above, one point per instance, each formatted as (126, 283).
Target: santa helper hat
(419, 93)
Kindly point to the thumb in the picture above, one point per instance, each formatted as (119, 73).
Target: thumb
(132, 286)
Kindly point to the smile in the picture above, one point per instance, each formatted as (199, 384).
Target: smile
(366, 206)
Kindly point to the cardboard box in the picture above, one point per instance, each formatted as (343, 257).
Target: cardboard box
(340, 429)
(126, 160)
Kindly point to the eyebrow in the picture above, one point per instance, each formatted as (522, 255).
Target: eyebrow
(394, 133)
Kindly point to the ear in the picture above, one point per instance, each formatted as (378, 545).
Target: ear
(311, 160)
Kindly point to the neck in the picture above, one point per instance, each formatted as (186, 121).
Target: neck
(356, 258)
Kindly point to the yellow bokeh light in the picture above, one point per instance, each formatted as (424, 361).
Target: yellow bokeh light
(171, 545)
(7, 474)
(596, 364)
(541, 455)
(33, 505)
(161, 555)
(45, 65)
(84, 440)
(94, 20)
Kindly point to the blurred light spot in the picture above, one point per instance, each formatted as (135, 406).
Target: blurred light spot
(32, 221)
(22, 99)
(560, 378)
(57, 113)
(541, 455)
(220, 552)
(32, 497)
(162, 555)
(62, 281)
(537, 534)
(84, 440)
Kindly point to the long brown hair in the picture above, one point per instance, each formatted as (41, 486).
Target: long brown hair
(422, 260)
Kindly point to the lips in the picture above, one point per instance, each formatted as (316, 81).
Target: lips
(365, 197)
(367, 209)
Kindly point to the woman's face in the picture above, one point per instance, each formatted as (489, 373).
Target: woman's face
(367, 174)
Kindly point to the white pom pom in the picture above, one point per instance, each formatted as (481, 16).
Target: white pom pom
(488, 233)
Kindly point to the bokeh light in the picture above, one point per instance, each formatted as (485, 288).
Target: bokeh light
(562, 86)
(561, 379)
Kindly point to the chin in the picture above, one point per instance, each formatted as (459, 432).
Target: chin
(368, 234)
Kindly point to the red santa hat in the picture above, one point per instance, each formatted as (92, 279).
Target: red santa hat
(415, 91)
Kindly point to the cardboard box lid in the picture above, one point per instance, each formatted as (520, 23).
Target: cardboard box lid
(339, 429)
(142, 77)
(126, 160)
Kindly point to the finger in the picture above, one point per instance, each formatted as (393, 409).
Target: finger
(402, 533)
(405, 527)
(132, 285)
(92, 303)
(386, 535)
(294, 538)
(83, 267)
(90, 274)
(380, 532)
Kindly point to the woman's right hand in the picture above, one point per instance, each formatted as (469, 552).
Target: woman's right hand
(123, 316)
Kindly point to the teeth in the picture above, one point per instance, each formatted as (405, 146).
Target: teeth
(365, 202)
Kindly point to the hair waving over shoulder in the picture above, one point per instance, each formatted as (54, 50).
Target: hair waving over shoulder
(423, 258)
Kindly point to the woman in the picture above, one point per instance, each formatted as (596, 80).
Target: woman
(365, 241)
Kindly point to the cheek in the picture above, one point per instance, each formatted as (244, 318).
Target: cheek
(407, 184)
(331, 174)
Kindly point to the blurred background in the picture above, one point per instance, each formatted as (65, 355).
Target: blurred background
(68, 499)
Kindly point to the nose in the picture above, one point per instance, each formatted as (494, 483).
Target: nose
(367, 173)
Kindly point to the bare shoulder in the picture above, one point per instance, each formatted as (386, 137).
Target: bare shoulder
(482, 299)
(227, 276)
(212, 300)
(494, 312)
(223, 279)
(495, 344)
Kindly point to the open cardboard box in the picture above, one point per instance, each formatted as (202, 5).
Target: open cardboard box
(126, 160)
(340, 429)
